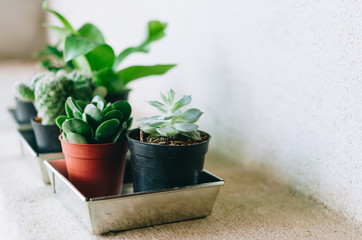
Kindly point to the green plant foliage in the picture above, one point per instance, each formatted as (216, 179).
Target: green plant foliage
(101, 122)
(173, 121)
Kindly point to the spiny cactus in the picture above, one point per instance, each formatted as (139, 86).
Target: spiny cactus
(52, 90)
(24, 91)
(97, 122)
(173, 121)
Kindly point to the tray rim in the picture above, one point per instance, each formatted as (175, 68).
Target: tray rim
(46, 162)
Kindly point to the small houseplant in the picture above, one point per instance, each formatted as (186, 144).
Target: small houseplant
(85, 49)
(50, 94)
(24, 96)
(94, 144)
(167, 150)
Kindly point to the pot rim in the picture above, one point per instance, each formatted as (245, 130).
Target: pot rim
(38, 123)
(87, 144)
(165, 146)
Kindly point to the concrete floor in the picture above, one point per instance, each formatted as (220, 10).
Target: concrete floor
(250, 205)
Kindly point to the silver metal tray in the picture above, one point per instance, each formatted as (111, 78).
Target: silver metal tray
(19, 125)
(134, 210)
(28, 144)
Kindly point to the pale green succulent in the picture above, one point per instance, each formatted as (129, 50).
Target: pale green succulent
(173, 121)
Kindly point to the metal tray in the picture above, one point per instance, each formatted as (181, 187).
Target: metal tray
(19, 125)
(28, 144)
(134, 210)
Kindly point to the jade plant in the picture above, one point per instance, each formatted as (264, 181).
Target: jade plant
(96, 122)
(173, 120)
(85, 49)
(52, 90)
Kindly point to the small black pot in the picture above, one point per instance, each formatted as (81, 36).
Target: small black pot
(24, 111)
(119, 96)
(156, 167)
(46, 137)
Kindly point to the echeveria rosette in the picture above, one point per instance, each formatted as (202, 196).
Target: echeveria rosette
(173, 121)
(96, 122)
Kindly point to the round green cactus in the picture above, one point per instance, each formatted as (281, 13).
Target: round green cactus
(24, 91)
(96, 122)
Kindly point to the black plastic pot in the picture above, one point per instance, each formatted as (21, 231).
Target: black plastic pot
(46, 137)
(156, 167)
(24, 111)
(119, 96)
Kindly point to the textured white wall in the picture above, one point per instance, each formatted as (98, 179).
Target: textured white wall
(280, 82)
(21, 32)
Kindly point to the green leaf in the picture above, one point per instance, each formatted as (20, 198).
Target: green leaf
(114, 114)
(119, 132)
(59, 121)
(74, 107)
(75, 46)
(60, 32)
(81, 104)
(147, 129)
(190, 115)
(100, 57)
(77, 126)
(48, 51)
(167, 131)
(60, 17)
(135, 72)
(155, 30)
(91, 32)
(158, 105)
(186, 99)
(185, 127)
(94, 113)
(76, 138)
(110, 80)
(108, 109)
(124, 107)
(194, 135)
(68, 111)
(81, 63)
(107, 129)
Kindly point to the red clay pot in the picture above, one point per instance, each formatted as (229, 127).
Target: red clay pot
(95, 169)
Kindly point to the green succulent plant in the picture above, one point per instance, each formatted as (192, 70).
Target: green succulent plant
(96, 122)
(173, 121)
(52, 89)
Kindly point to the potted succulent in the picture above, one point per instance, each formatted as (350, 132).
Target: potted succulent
(85, 49)
(24, 97)
(167, 150)
(94, 144)
(50, 94)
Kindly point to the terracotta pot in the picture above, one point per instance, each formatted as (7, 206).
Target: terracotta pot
(95, 169)
(156, 167)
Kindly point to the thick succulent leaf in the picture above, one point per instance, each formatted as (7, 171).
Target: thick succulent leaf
(135, 72)
(194, 135)
(76, 138)
(64, 136)
(158, 105)
(190, 115)
(150, 130)
(77, 126)
(119, 132)
(75, 46)
(85, 118)
(59, 121)
(77, 115)
(107, 129)
(185, 127)
(74, 107)
(68, 110)
(81, 104)
(186, 99)
(91, 32)
(153, 122)
(108, 109)
(124, 107)
(94, 113)
(167, 131)
(114, 114)
(100, 57)
(58, 15)
(97, 99)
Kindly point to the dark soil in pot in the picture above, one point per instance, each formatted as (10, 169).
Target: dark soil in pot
(46, 137)
(24, 111)
(157, 166)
